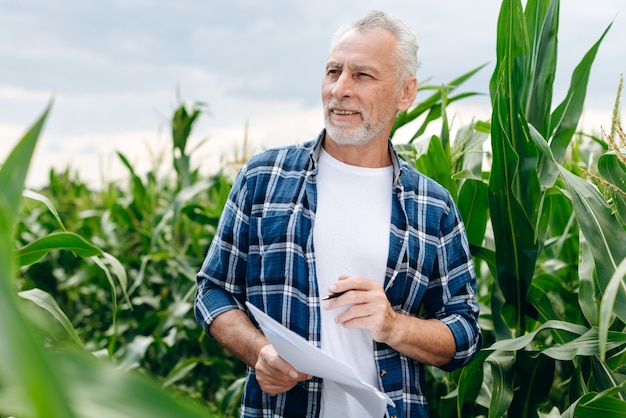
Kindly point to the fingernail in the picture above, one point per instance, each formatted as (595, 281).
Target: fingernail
(332, 288)
(293, 374)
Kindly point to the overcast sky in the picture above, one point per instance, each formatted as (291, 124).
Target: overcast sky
(114, 69)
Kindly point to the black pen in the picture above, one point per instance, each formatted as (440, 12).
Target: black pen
(333, 295)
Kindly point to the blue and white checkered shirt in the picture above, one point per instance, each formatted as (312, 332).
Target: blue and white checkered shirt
(263, 253)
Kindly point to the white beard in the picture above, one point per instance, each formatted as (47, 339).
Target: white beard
(360, 135)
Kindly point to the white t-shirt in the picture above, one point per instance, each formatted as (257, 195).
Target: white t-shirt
(350, 236)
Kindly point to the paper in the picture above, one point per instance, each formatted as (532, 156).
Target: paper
(309, 359)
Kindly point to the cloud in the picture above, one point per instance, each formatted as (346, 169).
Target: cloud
(113, 68)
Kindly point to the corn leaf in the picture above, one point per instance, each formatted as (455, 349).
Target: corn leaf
(514, 192)
(595, 405)
(46, 302)
(501, 380)
(30, 194)
(566, 116)
(98, 390)
(604, 233)
(534, 372)
(616, 286)
(36, 250)
(542, 20)
(23, 362)
(474, 209)
(613, 170)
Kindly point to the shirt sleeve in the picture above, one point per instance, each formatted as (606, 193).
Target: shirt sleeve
(221, 279)
(451, 297)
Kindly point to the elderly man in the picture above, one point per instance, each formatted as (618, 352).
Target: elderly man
(344, 215)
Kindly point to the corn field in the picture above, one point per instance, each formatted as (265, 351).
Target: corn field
(96, 286)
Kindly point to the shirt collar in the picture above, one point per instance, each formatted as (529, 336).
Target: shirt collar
(395, 159)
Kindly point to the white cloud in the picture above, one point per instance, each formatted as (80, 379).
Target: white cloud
(113, 69)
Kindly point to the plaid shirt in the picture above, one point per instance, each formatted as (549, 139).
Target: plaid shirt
(263, 252)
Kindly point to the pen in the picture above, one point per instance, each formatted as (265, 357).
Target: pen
(333, 295)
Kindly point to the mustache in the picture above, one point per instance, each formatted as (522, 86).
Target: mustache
(341, 106)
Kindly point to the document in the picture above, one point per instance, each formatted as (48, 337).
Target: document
(308, 359)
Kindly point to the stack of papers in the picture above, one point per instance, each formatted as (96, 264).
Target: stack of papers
(309, 359)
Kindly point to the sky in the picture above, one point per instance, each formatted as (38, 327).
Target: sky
(116, 70)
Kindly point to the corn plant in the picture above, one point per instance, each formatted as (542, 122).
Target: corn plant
(552, 246)
(43, 374)
(158, 230)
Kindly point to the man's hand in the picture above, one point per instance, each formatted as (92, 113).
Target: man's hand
(234, 330)
(368, 306)
(429, 341)
(274, 374)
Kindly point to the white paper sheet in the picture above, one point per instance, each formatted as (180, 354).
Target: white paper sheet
(309, 359)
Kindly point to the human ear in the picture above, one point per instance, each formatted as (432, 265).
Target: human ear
(408, 94)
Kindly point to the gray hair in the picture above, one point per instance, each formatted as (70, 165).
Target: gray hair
(406, 48)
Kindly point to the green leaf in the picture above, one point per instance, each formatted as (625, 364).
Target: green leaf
(587, 299)
(585, 345)
(535, 375)
(433, 161)
(468, 151)
(539, 295)
(232, 397)
(135, 352)
(612, 169)
(566, 116)
(601, 229)
(118, 270)
(502, 379)
(180, 371)
(46, 302)
(470, 381)
(594, 406)
(514, 192)
(519, 343)
(15, 168)
(98, 390)
(603, 377)
(23, 364)
(36, 250)
(432, 104)
(542, 19)
(473, 205)
(603, 232)
(43, 199)
(616, 286)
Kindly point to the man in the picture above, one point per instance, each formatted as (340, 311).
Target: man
(344, 215)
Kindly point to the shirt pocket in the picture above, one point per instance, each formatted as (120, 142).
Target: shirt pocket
(274, 245)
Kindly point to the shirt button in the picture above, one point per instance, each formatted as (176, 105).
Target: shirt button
(383, 373)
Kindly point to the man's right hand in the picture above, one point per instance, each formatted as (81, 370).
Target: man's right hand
(274, 374)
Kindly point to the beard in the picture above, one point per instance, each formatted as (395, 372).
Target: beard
(368, 129)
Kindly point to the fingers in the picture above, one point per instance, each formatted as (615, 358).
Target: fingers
(353, 291)
(367, 306)
(274, 374)
(346, 283)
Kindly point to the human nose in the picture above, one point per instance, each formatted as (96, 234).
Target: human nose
(343, 86)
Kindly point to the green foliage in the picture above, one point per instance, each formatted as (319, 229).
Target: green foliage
(41, 378)
(96, 287)
(548, 243)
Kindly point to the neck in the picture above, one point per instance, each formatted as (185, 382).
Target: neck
(372, 155)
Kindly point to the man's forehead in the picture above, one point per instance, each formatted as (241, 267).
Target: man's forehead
(352, 65)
